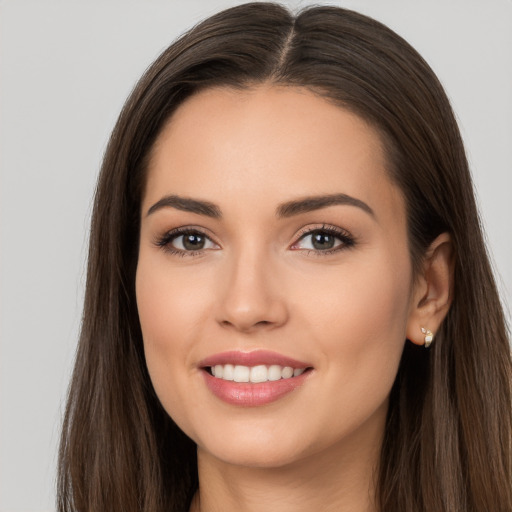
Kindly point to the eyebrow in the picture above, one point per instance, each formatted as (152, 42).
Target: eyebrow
(187, 205)
(288, 209)
(309, 204)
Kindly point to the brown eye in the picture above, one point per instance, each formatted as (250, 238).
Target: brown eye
(192, 241)
(186, 242)
(324, 240)
(321, 240)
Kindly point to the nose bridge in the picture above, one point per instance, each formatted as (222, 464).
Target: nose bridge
(252, 297)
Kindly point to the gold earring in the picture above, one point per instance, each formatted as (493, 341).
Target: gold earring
(429, 337)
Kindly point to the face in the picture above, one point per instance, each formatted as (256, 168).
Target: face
(274, 281)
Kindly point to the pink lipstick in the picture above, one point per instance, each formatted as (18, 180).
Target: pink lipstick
(253, 378)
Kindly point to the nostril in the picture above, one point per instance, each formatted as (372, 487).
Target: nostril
(246, 326)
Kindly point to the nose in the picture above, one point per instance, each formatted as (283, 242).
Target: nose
(253, 297)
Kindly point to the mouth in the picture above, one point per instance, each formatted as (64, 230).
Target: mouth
(253, 378)
(254, 374)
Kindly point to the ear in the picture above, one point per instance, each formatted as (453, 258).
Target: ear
(433, 289)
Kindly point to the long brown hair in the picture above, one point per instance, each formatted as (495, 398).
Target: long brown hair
(447, 444)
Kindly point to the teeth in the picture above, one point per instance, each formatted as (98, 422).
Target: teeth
(287, 372)
(242, 373)
(255, 374)
(228, 372)
(259, 374)
(274, 372)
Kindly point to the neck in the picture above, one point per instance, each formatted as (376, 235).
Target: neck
(340, 479)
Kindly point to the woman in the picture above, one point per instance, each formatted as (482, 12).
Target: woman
(289, 303)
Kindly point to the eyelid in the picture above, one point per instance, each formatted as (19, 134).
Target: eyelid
(320, 227)
(164, 240)
(346, 238)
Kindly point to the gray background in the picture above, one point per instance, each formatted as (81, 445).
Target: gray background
(65, 69)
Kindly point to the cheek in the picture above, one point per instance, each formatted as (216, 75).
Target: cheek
(366, 299)
(378, 304)
(171, 306)
(172, 311)
(359, 325)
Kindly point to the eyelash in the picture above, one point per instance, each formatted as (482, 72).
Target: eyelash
(164, 242)
(347, 240)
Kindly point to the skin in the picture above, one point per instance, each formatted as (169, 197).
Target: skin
(258, 283)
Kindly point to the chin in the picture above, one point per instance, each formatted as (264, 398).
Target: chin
(263, 444)
(255, 455)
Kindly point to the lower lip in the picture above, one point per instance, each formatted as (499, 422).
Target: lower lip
(247, 394)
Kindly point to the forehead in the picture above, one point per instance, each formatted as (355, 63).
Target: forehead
(269, 142)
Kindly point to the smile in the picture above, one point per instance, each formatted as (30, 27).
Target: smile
(256, 378)
(255, 374)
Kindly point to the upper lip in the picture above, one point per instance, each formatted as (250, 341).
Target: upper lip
(253, 358)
